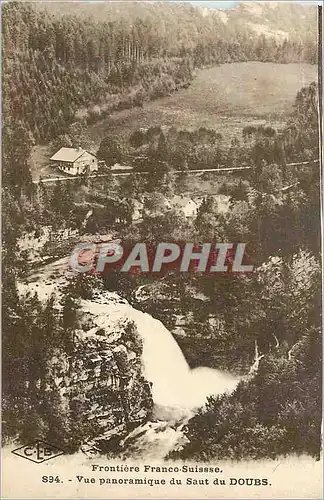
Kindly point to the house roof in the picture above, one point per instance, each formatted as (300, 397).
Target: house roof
(182, 201)
(68, 154)
(117, 166)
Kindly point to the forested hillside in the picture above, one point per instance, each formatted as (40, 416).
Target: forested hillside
(276, 409)
(65, 67)
(62, 68)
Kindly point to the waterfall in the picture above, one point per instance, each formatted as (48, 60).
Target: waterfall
(163, 361)
(174, 383)
(177, 390)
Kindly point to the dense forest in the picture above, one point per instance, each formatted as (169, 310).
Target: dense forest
(59, 69)
(61, 72)
(275, 309)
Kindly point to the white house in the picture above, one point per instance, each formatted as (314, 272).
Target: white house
(186, 205)
(137, 210)
(75, 161)
(223, 203)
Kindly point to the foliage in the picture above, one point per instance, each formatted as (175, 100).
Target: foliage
(61, 68)
(62, 73)
(39, 342)
(112, 151)
(278, 411)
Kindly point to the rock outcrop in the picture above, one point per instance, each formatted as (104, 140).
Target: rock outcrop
(97, 391)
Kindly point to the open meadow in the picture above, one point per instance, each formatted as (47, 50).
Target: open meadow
(225, 98)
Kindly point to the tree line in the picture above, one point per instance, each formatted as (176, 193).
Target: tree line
(42, 96)
(161, 152)
(59, 69)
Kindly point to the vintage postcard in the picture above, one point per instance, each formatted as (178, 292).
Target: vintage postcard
(161, 249)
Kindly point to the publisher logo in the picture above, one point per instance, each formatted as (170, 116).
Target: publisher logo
(38, 452)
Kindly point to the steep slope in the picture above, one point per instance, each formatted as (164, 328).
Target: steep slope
(278, 19)
(124, 369)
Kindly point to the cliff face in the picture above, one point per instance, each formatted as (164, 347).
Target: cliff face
(97, 390)
(109, 369)
(35, 248)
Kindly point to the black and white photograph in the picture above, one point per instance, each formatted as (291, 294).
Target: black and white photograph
(161, 249)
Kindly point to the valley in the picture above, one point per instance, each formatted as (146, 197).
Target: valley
(222, 118)
(225, 98)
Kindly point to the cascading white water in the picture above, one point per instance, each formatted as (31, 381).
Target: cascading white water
(176, 389)
(174, 383)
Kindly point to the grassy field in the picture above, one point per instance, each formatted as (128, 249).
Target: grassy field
(225, 98)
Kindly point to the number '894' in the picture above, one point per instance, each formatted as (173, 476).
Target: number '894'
(51, 479)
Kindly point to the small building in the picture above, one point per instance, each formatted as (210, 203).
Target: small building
(117, 168)
(137, 210)
(223, 203)
(75, 161)
(186, 205)
(155, 204)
